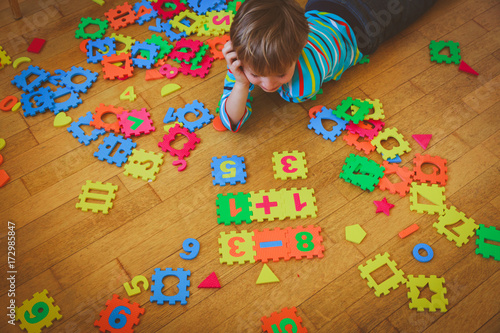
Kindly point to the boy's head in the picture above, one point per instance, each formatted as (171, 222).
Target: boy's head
(269, 35)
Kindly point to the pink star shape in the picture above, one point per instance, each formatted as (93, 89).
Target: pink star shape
(383, 206)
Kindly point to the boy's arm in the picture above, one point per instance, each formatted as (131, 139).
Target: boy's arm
(235, 107)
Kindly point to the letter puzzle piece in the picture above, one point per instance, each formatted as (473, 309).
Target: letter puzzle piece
(184, 283)
(112, 71)
(488, 249)
(236, 247)
(78, 133)
(271, 245)
(387, 154)
(233, 208)
(283, 321)
(438, 175)
(404, 174)
(316, 124)
(119, 315)
(267, 276)
(123, 149)
(459, 234)
(121, 16)
(298, 203)
(436, 285)
(433, 193)
(107, 199)
(436, 47)
(364, 145)
(267, 205)
(289, 165)
(362, 172)
(346, 112)
(228, 170)
(135, 122)
(143, 164)
(100, 111)
(196, 108)
(37, 312)
(385, 286)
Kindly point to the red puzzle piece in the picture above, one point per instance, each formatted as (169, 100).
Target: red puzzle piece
(36, 45)
(210, 282)
(466, 68)
(422, 139)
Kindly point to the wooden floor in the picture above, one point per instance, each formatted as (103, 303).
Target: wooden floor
(82, 258)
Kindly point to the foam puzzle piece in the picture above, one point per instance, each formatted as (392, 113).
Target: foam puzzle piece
(266, 205)
(228, 170)
(169, 88)
(489, 249)
(282, 321)
(62, 120)
(342, 111)
(165, 14)
(20, 60)
(266, 276)
(107, 199)
(422, 139)
(355, 233)
(365, 59)
(166, 144)
(169, 72)
(436, 47)
(436, 285)
(100, 111)
(121, 16)
(403, 145)
(298, 203)
(44, 98)
(8, 103)
(170, 116)
(153, 74)
(152, 52)
(85, 22)
(97, 49)
(145, 11)
(37, 312)
(362, 172)
(21, 82)
(368, 128)
(466, 68)
(135, 289)
(396, 159)
(201, 70)
(316, 124)
(165, 47)
(289, 165)
(216, 44)
(385, 286)
(4, 177)
(462, 232)
(201, 7)
(182, 285)
(57, 77)
(438, 175)
(405, 175)
(78, 133)
(364, 145)
(194, 19)
(123, 149)
(2, 146)
(205, 118)
(426, 248)
(233, 208)
(376, 114)
(192, 247)
(408, 231)
(4, 58)
(219, 20)
(72, 102)
(236, 247)
(135, 122)
(210, 281)
(305, 242)
(383, 206)
(128, 94)
(119, 315)
(143, 164)
(185, 50)
(126, 40)
(271, 245)
(432, 193)
(112, 72)
(36, 45)
(67, 80)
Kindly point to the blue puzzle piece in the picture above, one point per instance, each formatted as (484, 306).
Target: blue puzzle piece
(194, 107)
(72, 102)
(57, 77)
(78, 133)
(145, 17)
(20, 80)
(396, 159)
(122, 152)
(44, 99)
(201, 7)
(153, 52)
(159, 27)
(170, 116)
(228, 170)
(98, 48)
(67, 80)
(317, 125)
(167, 29)
(158, 285)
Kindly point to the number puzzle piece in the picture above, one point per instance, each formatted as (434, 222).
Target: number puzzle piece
(71, 102)
(219, 20)
(194, 107)
(488, 249)
(106, 199)
(376, 113)
(438, 175)
(366, 128)
(37, 312)
(192, 247)
(143, 164)
(236, 247)
(288, 165)
(405, 175)
(135, 289)
(403, 145)
(436, 285)
(121, 16)
(201, 70)
(100, 111)
(298, 203)
(165, 47)
(266, 205)
(123, 149)
(436, 47)
(216, 44)
(128, 94)
(271, 245)
(78, 133)
(144, 11)
(135, 122)
(459, 234)
(365, 145)
(8, 103)
(184, 283)
(85, 22)
(119, 315)
(385, 286)
(112, 71)
(233, 208)
(362, 172)
(44, 98)
(151, 51)
(166, 144)
(69, 82)
(363, 108)
(422, 246)
(228, 170)
(97, 49)
(161, 8)
(316, 124)
(305, 242)
(283, 321)
(433, 193)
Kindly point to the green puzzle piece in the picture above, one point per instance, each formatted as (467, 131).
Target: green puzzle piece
(362, 172)
(233, 208)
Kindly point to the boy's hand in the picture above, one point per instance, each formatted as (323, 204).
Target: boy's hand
(234, 64)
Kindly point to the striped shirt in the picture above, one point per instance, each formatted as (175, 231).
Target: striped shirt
(330, 50)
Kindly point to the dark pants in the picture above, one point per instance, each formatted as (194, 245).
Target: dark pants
(374, 21)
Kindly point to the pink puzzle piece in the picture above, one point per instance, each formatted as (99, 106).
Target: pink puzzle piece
(135, 123)
(422, 139)
(36, 45)
(383, 206)
(210, 282)
(466, 68)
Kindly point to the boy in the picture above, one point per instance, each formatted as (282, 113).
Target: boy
(275, 45)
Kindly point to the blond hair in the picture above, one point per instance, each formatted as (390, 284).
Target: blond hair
(269, 35)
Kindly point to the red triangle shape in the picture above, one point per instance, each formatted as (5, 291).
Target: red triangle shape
(466, 68)
(210, 282)
(422, 139)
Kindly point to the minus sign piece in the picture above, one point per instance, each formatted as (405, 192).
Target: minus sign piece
(264, 245)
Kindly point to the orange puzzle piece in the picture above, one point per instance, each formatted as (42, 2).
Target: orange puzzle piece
(438, 176)
(403, 187)
(100, 111)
